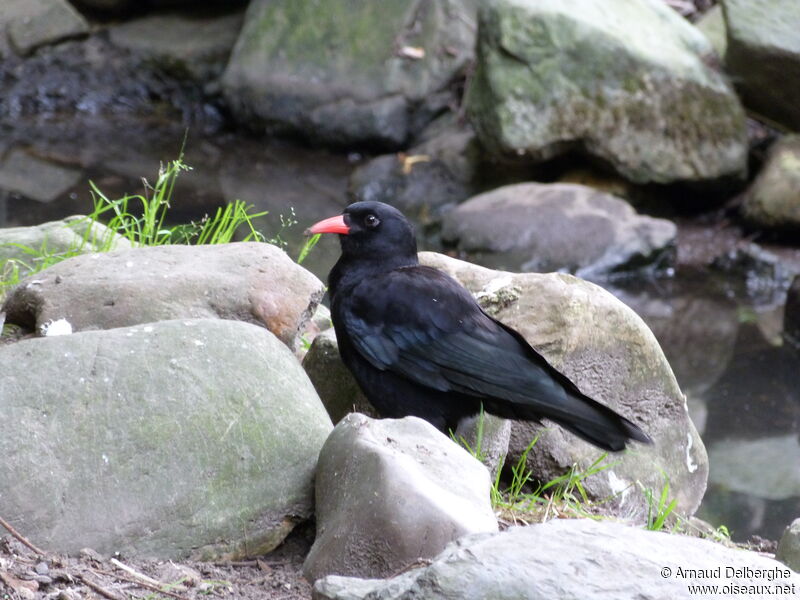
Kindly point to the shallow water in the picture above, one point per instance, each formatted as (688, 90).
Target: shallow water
(722, 341)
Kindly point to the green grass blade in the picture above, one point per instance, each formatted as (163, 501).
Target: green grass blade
(307, 247)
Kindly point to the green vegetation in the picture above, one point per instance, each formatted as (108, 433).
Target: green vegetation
(524, 499)
(476, 450)
(658, 509)
(145, 227)
(307, 247)
(521, 498)
(142, 220)
(518, 497)
(527, 500)
(35, 260)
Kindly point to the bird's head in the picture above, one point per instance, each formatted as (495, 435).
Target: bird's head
(372, 231)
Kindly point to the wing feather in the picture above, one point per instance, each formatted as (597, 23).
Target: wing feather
(432, 331)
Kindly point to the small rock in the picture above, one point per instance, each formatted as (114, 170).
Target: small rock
(767, 464)
(389, 492)
(427, 180)
(30, 24)
(191, 44)
(789, 546)
(766, 277)
(171, 572)
(712, 24)
(773, 201)
(492, 447)
(42, 568)
(36, 178)
(420, 185)
(90, 554)
(73, 234)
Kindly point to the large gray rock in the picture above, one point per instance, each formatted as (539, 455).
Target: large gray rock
(611, 355)
(29, 24)
(763, 56)
(625, 80)
(345, 71)
(560, 226)
(566, 558)
(389, 492)
(195, 45)
(773, 201)
(69, 235)
(248, 281)
(191, 438)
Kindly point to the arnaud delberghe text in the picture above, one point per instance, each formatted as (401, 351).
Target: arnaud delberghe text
(734, 573)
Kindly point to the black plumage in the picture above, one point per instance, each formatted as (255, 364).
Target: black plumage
(419, 344)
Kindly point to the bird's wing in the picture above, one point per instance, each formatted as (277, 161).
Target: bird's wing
(422, 324)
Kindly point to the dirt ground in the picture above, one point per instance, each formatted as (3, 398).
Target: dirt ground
(27, 575)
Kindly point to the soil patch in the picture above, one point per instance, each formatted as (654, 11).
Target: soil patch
(28, 575)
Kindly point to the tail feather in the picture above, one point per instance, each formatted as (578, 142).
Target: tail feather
(591, 421)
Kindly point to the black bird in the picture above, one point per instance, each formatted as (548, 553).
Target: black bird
(419, 344)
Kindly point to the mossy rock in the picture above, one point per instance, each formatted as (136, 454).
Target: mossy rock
(627, 81)
(190, 438)
(346, 71)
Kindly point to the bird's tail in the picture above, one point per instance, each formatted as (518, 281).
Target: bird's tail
(591, 421)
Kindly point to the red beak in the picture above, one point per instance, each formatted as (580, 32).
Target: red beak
(332, 225)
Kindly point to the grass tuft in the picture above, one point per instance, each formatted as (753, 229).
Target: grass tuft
(659, 509)
(525, 500)
(477, 450)
(528, 500)
(141, 219)
(146, 226)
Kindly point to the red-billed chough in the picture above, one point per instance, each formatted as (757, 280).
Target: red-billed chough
(419, 344)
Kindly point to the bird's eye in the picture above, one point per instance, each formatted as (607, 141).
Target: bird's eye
(371, 221)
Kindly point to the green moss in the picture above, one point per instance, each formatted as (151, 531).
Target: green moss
(546, 81)
(327, 38)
